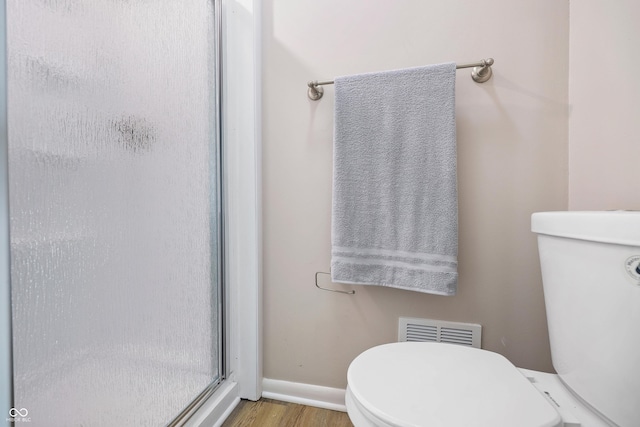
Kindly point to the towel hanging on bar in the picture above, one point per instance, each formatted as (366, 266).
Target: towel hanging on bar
(394, 213)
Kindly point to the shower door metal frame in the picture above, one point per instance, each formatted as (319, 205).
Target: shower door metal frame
(6, 369)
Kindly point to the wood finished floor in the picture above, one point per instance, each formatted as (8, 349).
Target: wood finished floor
(274, 413)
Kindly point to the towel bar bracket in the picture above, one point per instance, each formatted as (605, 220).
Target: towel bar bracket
(315, 91)
(482, 73)
(331, 290)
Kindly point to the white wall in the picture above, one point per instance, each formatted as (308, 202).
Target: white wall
(512, 147)
(604, 95)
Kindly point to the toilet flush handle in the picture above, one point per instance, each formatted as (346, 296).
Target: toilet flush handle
(632, 265)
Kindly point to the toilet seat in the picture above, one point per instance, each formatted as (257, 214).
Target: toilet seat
(412, 384)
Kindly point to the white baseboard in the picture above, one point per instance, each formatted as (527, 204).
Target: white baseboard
(305, 394)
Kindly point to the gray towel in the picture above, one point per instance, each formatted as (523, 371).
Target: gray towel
(395, 204)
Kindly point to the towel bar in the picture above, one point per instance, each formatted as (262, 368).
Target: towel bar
(481, 73)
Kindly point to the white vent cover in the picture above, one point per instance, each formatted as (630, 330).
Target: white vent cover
(414, 329)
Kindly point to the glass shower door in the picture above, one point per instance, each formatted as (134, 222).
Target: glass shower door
(114, 209)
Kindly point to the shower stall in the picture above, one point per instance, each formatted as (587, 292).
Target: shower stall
(115, 212)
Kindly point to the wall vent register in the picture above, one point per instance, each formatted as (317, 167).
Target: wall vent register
(417, 330)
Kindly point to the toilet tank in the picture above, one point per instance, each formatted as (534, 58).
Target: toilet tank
(590, 263)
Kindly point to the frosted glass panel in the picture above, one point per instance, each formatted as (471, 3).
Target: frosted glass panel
(112, 161)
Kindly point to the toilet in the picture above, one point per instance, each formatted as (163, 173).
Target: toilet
(590, 265)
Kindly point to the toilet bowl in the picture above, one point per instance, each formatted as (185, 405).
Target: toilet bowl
(437, 384)
(590, 265)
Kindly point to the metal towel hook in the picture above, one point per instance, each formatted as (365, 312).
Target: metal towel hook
(331, 290)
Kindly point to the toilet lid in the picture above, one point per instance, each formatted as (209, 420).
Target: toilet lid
(435, 384)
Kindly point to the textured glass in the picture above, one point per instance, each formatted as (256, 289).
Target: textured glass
(112, 194)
